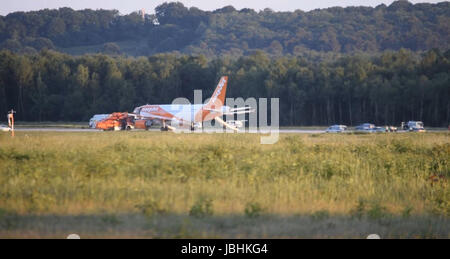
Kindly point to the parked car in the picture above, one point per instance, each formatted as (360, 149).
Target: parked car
(336, 129)
(381, 129)
(391, 128)
(367, 127)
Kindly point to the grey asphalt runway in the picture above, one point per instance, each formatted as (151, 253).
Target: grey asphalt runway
(292, 131)
(158, 130)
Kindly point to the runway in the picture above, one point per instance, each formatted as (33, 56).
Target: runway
(282, 131)
(158, 130)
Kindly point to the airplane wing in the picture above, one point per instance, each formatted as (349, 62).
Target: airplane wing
(241, 109)
(239, 112)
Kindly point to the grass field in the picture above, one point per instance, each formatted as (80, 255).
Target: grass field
(152, 184)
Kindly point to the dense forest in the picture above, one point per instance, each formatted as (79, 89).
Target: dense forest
(229, 32)
(387, 88)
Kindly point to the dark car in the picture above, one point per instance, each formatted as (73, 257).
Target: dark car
(367, 127)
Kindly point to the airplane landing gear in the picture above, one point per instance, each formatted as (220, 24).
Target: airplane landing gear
(164, 126)
(148, 124)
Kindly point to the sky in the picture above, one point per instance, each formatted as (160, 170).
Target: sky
(128, 6)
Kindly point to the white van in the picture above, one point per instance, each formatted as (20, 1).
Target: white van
(4, 128)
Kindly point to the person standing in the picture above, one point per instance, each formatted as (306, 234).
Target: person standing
(10, 117)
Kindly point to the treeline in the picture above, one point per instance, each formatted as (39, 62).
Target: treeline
(385, 89)
(228, 31)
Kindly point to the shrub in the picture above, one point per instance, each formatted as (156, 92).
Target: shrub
(253, 210)
(374, 212)
(201, 208)
(359, 209)
(377, 211)
(406, 213)
(151, 208)
(401, 146)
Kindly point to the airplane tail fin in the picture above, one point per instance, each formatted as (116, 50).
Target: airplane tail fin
(214, 106)
(218, 98)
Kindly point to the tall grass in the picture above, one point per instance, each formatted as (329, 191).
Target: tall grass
(359, 176)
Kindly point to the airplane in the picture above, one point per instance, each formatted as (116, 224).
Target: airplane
(190, 115)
